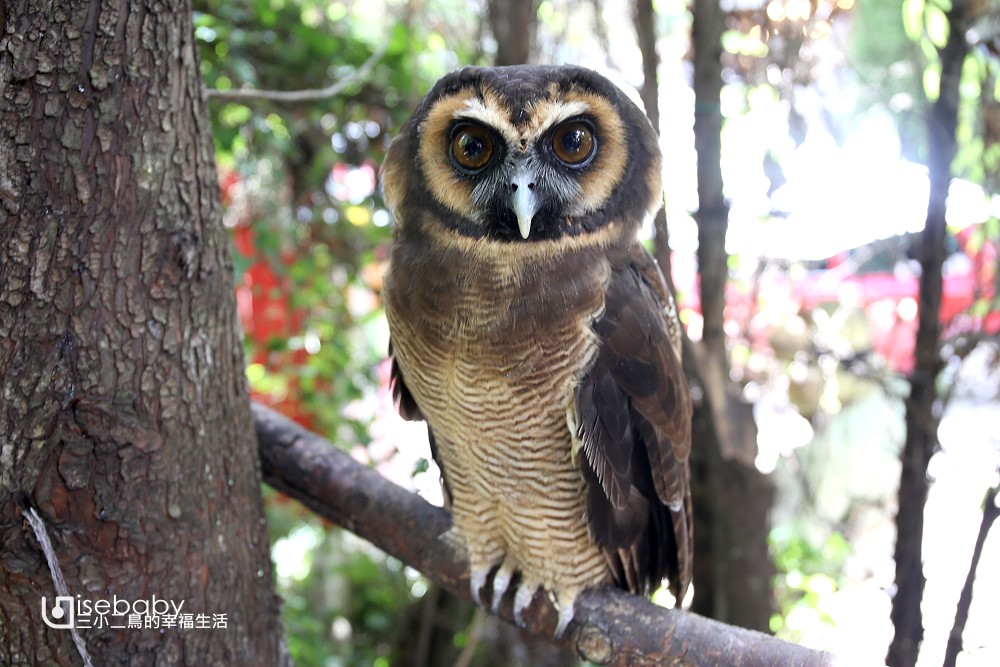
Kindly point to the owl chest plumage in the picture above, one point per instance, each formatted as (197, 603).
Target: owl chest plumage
(492, 359)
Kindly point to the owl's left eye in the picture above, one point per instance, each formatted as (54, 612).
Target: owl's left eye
(574, 143)
(471, 147)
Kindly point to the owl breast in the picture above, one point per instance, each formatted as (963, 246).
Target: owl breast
(492, 359)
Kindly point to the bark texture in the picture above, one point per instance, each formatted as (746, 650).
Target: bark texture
(124, 418)
(922, 409)
(611, 627)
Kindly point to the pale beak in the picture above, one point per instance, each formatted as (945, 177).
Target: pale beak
(523, 200)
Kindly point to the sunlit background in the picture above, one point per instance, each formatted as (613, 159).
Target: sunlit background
(822, 146)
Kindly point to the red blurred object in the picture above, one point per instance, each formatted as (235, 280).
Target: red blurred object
(882, 278)
(266, 314)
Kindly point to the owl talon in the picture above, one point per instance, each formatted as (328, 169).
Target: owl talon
(565, 618)
(522, 600)
(500, 583)
(477, 579)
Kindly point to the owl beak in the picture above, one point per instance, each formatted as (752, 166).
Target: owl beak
(523, 200)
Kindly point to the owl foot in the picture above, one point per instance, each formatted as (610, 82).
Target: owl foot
(565, 604)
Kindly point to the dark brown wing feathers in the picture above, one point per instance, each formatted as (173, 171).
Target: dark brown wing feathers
(633, 412)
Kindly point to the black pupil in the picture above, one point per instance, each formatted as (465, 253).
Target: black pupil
(572, 141)
(472, 147)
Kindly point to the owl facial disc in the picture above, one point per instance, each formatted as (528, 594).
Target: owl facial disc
(523, 200)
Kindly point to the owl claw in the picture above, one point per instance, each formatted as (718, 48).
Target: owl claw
(565, 618)
(522, 600)
(477, 579)
(500, 583)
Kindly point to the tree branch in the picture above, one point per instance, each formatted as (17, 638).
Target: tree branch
(990, 513)
(294, 96)
(611, 627)
(922, 418)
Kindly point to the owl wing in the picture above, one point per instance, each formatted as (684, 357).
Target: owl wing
(633, 416)
(408, 409)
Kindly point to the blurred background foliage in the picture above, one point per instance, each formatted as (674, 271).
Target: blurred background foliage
(820, 339)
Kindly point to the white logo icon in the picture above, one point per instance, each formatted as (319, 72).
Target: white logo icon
(61, 616)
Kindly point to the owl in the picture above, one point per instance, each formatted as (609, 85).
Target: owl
(536, 336)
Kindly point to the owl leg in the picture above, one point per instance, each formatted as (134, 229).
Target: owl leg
(454, 542)
(480, 568)
(484, 552)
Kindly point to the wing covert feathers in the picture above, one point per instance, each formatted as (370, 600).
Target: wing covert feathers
(634, 419)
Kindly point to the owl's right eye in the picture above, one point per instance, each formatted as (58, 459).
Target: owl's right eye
(471, 147)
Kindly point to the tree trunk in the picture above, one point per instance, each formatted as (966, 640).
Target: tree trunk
(733, 571)
(514, 24)
(124, 422)
(645, 27)
(921, 417)
(713, 211)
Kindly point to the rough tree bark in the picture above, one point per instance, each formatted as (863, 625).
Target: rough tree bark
(921, 416)
(733, 569)
(611, 627)
(124, 418)
(514, 24)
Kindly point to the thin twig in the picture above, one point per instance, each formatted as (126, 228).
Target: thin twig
(427, 624)
(294, 96)
(475, 634)
(990, 513)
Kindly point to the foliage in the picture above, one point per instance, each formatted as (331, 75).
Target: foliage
(300, 184)
(835, 65)
(345, 602)
(808, 574)
(890, 65)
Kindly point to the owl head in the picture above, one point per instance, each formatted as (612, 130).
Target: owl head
(524, 154)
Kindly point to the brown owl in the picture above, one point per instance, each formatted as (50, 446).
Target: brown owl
(535, 334)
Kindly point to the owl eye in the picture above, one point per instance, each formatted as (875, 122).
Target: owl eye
(574, 143)
(471, 147)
